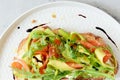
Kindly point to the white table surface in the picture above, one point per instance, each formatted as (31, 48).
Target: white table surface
(11, 9)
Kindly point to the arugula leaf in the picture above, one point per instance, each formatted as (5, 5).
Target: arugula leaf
(68, 53)
(25, 74)
(62, 75)
(49, 73)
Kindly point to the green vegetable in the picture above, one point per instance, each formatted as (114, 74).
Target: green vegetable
(63, 33)
(96, 73)
(68, 53)
(76, 36)
(25, 74)
(81, 49)
(62, 66)
(49, 32)
(100, 55)
(54, 74)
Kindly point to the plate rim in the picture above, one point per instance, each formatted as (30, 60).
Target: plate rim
(11, 26)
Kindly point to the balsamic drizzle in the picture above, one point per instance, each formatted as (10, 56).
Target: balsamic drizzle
(42, 24)
(37, 59)
(18, 27)
(106, 35)
(82, 15)
(13, 77)
(29, 30)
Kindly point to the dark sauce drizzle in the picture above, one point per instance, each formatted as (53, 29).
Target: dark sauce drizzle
(29, 30)
(18, 27)
(13, 77)
(106, 35)
(37, 59)
(82, 15)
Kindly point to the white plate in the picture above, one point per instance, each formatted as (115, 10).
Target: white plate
(67, 18)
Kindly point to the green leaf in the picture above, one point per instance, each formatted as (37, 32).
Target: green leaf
(62, 75)
(68, 53)
(63, 33)
(25, 74)
(49, 32)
